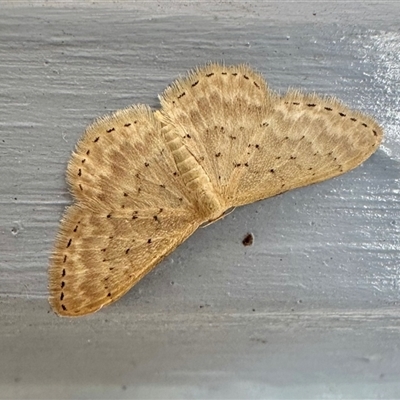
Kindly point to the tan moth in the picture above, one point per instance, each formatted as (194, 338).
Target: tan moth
(144, 181)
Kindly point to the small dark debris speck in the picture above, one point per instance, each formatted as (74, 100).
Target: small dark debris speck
(248, 240)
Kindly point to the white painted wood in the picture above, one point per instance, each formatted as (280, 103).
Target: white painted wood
(310, 310)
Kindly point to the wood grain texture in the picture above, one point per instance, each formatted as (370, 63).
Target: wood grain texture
(311, 309)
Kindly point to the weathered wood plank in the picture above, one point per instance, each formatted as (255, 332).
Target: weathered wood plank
(310, 310)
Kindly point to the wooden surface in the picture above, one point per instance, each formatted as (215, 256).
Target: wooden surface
(310, 310)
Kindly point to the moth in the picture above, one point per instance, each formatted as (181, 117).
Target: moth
(143, 181)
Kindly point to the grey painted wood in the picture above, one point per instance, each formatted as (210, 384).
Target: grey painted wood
(310, 310)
